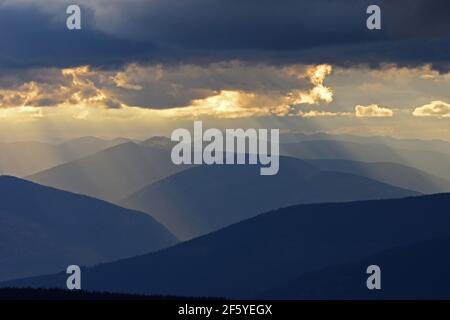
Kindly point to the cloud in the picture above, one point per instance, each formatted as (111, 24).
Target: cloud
(266, 99)
(263, 89)
(34, 35)
(438, 109)
(117, 33)
(225, 90)
(387, 86)
(168, 86)
(372, 111)
(73, 86)
(319, 93)
(317, 113)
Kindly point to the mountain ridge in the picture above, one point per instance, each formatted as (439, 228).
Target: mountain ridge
(54, 228)
(111, 173)
(206, 198)
(273, 248)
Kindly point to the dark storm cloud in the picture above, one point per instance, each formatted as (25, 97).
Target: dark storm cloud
(171, 31)
(30, 38)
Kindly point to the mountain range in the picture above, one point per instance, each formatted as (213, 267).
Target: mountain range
(320, 238)
(388, 172)
(251, 258)
(113, 173)
(25, 158)
(432, 162)
(416, 271)
(43, 230)
(391, 142)
(206, 198)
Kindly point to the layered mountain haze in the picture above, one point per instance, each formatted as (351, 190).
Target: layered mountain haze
(432, 162)
(391, 173)
(43, 230)
(135, 165)
(159, 142)
(206, 198)
(142, 176)
(411, 144)
(252, 257)
(113, 173)
(25, 158)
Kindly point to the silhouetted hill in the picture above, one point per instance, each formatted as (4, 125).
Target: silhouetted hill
(159, 142)
(43, 230)
(251, 257)
(207, 198)
(418, 271)
(432, 162)
(111, 174)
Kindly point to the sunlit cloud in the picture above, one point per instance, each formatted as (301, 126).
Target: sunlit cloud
(235, 104)
(75, 87)
(135, 100)
(372, 111)
(228, 90)
(319, 93)
(316, 113)
(437, 109)
(230, 105)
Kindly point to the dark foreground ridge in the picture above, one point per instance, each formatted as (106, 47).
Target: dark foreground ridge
(61, 294)
(277, 247)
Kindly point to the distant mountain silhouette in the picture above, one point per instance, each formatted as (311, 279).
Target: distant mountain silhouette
(113, 173)
(391, 142)
(391, 173)
(159, 142)
(440, 146)
(265, 252)
(43, 230)
(122, 170)
(207, 198)
(418, 271)
(432, 162)
(25, 158)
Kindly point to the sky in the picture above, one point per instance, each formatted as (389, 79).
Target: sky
(139, 68)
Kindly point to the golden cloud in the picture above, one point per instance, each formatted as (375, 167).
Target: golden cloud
(75, 87)
(316, 113)
(438, 109)
(319, 93)
(83, 87)
(372, 111)
(231, 104)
